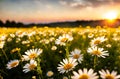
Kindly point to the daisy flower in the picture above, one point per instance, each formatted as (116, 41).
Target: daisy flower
(51, 39)
(30, 66)
(2, 44)
(95, 51)
(3, 37)
(53, 48)
(20, 33)
(12, 64)
(107, 75)
(12, 35)
(31, 33)
(90, 35)
(62, 40)
(32, 54)
(108, 45)
(65, 77)
(14, 50)
(33, 77)
(49, 73)
(98, 40)
(76, 54)
(85, 74)
(25, 42)
(67, 65)
(9, 39)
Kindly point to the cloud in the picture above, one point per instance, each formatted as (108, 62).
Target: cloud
(88, 3)
(49, 6)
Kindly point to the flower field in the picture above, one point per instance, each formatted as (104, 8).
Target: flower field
(60, 53)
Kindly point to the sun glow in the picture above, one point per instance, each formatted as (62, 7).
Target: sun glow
(112, 15)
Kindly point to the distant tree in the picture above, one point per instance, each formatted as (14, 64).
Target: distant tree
(19, 24)
(12, 24)
(1, 24)
(7, 23)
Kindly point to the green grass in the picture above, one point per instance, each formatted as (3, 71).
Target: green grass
(18, 41)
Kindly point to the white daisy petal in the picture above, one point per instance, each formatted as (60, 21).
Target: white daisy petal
(77, 55)
(105, 74)
(97, 51)
(12, 64)
(32, 54)
(62, 40)
(30, 66)
(84, 74)
(67, 65)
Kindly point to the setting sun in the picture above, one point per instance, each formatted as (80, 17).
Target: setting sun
(111, 15)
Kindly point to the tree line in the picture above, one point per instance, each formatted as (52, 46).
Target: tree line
(11, 24)
(83, 23)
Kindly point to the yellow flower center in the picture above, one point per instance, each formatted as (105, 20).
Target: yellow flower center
(68, 66)
(33, 55)
(109, 76)
(32, 66)
(84, 76)
(65, 78)
(14, 50)
(96, 52)
(64, 39)
(50, 73)
(76, 56)
(97, 42)
(14, 64)
(90, 35)
(20, 33)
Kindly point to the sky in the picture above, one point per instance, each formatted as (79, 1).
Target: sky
(46, 11)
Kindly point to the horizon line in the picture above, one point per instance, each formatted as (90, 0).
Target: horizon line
(55, 21)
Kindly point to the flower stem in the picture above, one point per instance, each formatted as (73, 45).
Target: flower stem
(69, 77)
(39, 71)
(95, 61)
(67, 52)
(3, 72)
(19, 54)
(5, 54)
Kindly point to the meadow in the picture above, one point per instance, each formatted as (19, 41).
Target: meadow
(60, 53)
